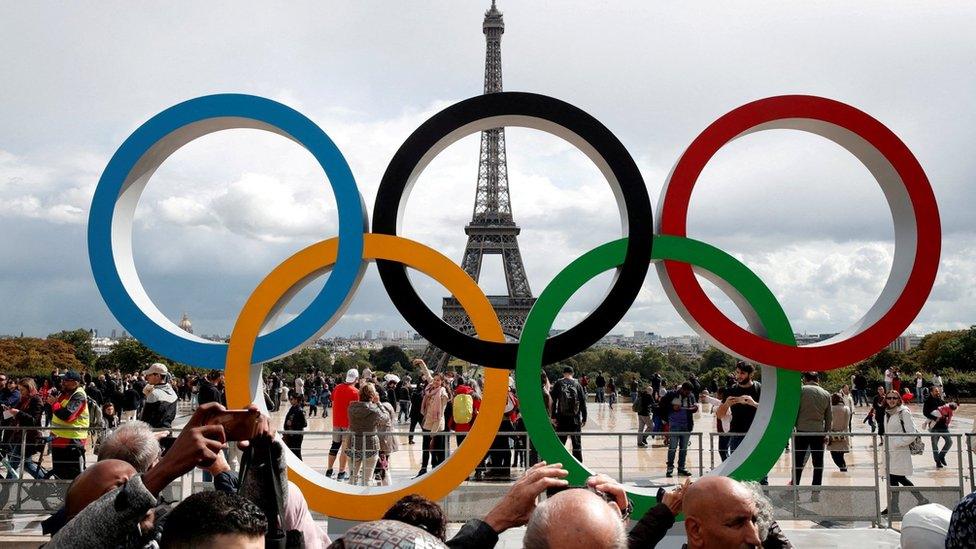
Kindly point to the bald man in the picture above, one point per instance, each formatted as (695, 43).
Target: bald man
(720, 513)
(576, 518)
(96, 481)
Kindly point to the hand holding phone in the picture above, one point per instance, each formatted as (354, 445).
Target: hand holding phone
(237, 424)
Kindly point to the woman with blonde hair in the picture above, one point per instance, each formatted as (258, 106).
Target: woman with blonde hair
(899, 428)
(363, 444)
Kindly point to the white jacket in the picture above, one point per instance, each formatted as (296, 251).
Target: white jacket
(899, 456)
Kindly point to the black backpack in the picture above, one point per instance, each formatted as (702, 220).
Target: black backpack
(567, 399)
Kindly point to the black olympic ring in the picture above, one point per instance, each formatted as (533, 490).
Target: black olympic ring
(552, 116)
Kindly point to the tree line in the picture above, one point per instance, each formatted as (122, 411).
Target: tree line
(950, 353)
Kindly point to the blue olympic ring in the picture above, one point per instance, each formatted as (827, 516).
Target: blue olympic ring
(128, 172)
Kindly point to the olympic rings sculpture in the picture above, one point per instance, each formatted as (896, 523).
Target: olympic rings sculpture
(769, 340)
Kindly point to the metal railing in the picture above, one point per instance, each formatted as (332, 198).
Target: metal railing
(862, 497)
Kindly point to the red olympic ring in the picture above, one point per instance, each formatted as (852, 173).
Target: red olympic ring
(907, 189)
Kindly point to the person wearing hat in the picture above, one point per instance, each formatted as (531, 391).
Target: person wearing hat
(344, 394)
(160, 408)
(69, 426)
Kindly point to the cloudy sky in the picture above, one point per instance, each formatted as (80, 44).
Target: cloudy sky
(224, 210)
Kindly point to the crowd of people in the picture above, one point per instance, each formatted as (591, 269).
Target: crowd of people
(116, 503)
(79, 409)
(121, 415)
(365, 407)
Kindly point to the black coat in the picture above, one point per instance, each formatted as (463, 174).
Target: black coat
(208, 392)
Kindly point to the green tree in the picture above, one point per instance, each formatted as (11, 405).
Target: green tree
(80, 339)
(652, 361)
(714, 358)
(385, 358)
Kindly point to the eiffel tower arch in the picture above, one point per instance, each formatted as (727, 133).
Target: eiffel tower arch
(492, 230)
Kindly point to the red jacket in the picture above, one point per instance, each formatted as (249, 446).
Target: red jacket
(343, 395)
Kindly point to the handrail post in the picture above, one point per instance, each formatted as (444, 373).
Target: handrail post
(887, 446)
(620, 458)
(962, 483)
(969, 446)
(877, 478)
(701, 454)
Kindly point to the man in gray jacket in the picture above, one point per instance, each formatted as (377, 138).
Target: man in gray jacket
(814, 417)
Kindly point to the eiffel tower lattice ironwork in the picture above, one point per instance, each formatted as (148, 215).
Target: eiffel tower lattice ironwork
(492, 230)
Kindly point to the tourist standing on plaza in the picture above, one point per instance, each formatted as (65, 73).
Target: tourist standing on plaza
(464, 410)
(643, 405)
(295, 421)
(920, 392)
(938, 426)
(839, 444)
(723, 419)
(313, 402)
(601, 383)
(27, 413)
(274, 385)
(860, 383)
(898, 427)
(743, 399)
(160, 408)
(344, 395)
(432, 408)
(848, 398)
(889, 376)
(388, 443)
(813, 417)
(569, 409)
(363, 445)
(681, 422)
(402, 392)
(300, 386)
(416, 398)
(209, 388)
(69, 427)
(130, 402)
(611, 393)
(634, 389)
(878, 407)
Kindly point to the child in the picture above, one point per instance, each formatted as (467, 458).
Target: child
(325, 398)
(295, 421)
(313, 402)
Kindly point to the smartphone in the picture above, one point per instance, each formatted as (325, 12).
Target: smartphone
(238, 424)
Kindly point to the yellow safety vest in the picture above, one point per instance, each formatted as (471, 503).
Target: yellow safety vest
(77, 429)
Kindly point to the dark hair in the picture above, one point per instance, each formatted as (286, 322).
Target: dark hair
(743, 366)
(213, 375)
(416, 510)
(567, 369)
(204, 515)
(810, 376)
(836, 399)
(687, 386)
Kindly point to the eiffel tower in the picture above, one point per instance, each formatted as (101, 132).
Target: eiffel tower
(492, 229)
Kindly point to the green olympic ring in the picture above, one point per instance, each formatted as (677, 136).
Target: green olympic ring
(770, 431)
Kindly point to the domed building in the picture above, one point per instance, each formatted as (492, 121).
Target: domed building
(185, 324)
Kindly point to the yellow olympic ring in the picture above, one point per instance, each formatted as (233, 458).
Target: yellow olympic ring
(360, 502)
